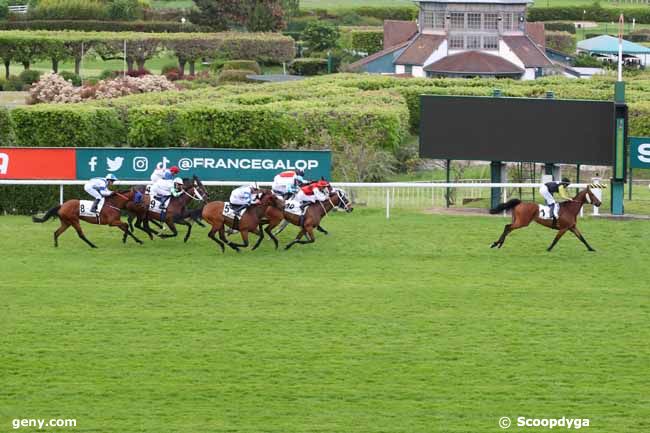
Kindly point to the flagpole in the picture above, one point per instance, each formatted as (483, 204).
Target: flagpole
(620, 47)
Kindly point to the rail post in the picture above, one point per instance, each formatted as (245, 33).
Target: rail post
(61, 194)
(387, 204)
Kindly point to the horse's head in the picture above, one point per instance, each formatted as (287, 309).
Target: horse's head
(195, 189)
(201, 189)
(266, 197)
(340, 199)
(590, 197)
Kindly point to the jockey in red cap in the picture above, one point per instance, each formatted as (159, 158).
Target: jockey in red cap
(308, 194)
(174, 170)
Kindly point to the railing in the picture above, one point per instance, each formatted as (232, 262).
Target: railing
(388, 195)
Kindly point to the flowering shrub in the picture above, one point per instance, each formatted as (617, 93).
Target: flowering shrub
(53, 88)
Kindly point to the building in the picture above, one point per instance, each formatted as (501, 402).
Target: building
(485, 38)
(605, 47)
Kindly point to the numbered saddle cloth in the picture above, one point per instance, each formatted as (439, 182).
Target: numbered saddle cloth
(157, 205)
(231, 213)
(545, 212)
(293, 207)
(86, 205)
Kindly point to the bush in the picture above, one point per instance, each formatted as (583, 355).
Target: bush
(234, 75)
(4, 9)
(69, 9)
(367, 41)
(62, 125)
(6, 128)
(107, 73)
(561, 41)
(29, 76)
(125, 10)
(250, 65)
(594, 12)
(587, 61)
(169, 67)
(72, 77)
(102, 26)
(560, 27)
(319, 35)
(308, 66)
(13, 84)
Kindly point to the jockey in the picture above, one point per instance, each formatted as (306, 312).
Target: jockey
(287, 183)
(243, 197)
(548, 189)
(99, 188)
(308, 194)
(160, 172)
(165, 189)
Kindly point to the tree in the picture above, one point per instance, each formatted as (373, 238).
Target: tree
(320, 36)
(255, 15)
(266, 16)
(291, 7)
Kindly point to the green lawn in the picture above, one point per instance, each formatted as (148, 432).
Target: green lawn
(408, 325)
(173, 4)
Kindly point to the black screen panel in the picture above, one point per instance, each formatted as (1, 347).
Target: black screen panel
(517, 129)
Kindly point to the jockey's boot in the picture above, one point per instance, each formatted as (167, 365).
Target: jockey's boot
(552, 209)
(93, 208)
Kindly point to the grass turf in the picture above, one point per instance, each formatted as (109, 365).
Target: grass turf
(407, 325)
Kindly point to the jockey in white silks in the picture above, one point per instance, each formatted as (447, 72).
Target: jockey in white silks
(99, 188)
(165, 189)
(244, 196)
(287, 183)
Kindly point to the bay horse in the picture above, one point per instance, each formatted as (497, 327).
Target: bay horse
(176, 211)
(523, 213)
(312, 216)
(250, 222)
(110, 215)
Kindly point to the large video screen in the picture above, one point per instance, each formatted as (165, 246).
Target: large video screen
(517, 129)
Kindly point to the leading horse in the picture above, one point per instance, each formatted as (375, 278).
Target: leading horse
(109, 215)
(523, 213)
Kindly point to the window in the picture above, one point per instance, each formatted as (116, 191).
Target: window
(490, 42)
(508, 22)
(473, 42)
(433, 20)
(456, 42)
(474, 21)
(457, 20)
(408, 69)
(490, 21)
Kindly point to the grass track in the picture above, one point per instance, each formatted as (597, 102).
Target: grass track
(376, 328)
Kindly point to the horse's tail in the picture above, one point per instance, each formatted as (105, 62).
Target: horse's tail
(49, 214)
(505, 206)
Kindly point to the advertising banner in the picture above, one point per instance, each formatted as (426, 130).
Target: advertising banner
(37, 163)
(640, 152)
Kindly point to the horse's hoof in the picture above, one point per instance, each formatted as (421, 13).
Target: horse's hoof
(493, 245)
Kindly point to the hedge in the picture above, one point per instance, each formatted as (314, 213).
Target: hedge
(29, 46)
(368, 41)
(406, 13)
(6, 128)
(308, 66)
(234, 75)
(250, 65)
(102, 26)
(560, 27)
(594, 12)
(564, 42)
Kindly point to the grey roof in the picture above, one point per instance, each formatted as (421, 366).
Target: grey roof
(490, 2)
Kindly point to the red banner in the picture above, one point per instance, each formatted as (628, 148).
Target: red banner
(37, 163)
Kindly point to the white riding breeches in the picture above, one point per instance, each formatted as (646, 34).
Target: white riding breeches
(93, 192)
(547, 195)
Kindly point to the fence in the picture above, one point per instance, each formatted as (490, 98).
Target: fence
(19, 9)
(388, 195)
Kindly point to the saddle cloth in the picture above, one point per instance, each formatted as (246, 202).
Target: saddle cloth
(156, 205)
(293, 207)
(545, 212)
(229, 212)
(86, 205)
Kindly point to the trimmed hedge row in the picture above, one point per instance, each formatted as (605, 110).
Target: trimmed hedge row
(6, 128)
(102, 26)
(594, 12)
(368, 41)
(308, 66)
(407, 13)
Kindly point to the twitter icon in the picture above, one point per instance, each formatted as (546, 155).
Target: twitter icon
(114, 164)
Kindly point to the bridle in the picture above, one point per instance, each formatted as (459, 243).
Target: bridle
(196, 195)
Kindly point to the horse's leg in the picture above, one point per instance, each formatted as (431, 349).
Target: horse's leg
(225, 240)
(284, 225)
(269, 231)
(141, 224)
(322, 230)
(560, 233)
(211, 234)
(130, 221)
(309, 234)
(576, 232)
(244, 238)
(189, 229)
(81, 234)
(296, 240)
(172, 227)
(518, 221)
(260, 233)
(125, 228)
(59, 231)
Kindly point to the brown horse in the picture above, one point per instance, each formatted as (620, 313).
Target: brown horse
(109, 215)
(312, 216)
(524, 213)
(176, 209)
(250, 222)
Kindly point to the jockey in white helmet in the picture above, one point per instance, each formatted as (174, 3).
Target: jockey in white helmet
(165, 189)
(98, 188)
(288, 182)
(244, 196)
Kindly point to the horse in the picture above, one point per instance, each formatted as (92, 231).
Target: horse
(250, 222)
(523, 213)
(312, 216)
(176, 211)
(110, 214)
